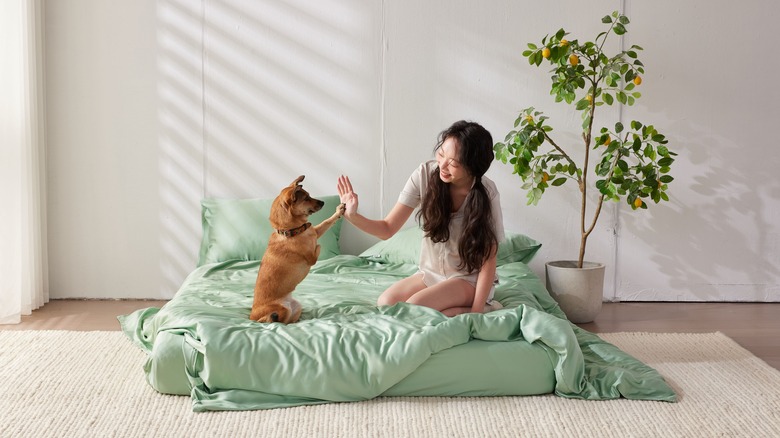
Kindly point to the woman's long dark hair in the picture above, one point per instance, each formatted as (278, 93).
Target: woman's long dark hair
(478, 240)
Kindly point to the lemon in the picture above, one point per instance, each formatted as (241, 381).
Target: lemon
(529, 118)
(546, 53)
(638, 80)
(637, 203)
(545, 177)
(564, 43)
(607, 142)
(589, 98)
(574, 60)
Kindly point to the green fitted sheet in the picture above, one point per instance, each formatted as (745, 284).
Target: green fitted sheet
(345, 348)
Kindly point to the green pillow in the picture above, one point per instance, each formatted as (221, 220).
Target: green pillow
(239, 229)
(404, 247)
(516, 247)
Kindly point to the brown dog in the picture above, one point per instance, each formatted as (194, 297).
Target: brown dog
(292, 250)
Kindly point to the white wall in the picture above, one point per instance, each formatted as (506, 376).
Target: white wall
(153, 105)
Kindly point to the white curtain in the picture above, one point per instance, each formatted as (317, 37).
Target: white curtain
(23, 252)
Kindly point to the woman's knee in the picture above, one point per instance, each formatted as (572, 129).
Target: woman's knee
(401, 291)
(387, 299)
(444, 295)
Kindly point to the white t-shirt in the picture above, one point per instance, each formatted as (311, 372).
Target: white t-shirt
(439, 261)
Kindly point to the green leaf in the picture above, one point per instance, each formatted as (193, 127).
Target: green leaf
(607, 19)
(666, 179)
(602, 169)
(650, 152)
(536, 195)
(559, 182)
(582, 104)
(619, 29)
(532, 46)
(618, 127)
(608, 99)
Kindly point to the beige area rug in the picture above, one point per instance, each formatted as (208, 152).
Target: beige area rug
(90, 384)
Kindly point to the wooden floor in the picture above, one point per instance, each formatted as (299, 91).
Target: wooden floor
(755, 326)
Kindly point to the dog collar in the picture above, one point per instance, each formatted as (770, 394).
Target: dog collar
(295, 231)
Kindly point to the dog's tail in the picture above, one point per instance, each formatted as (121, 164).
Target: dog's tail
(272, 312)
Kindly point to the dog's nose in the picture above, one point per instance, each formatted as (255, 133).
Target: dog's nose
(320, 203)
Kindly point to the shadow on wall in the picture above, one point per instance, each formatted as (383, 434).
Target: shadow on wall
(282, 94)
(719, 237)
(251, 95)
(180, 115)
(719, 241)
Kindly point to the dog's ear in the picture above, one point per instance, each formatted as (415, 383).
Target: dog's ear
(297, 181)
(297, 188)
(297, 191)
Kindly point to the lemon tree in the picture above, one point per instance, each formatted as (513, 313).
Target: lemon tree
(633, 161)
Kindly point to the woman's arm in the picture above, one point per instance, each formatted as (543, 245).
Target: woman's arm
(381, 228)
(485, 279)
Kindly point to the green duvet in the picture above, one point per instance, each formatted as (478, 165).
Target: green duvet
(345, 348)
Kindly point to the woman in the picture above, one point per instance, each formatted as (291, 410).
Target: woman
(460, 214)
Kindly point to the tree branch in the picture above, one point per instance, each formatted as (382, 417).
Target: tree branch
(565, 155)
(601, 199)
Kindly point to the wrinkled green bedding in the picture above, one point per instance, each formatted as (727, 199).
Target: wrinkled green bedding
(345, 348)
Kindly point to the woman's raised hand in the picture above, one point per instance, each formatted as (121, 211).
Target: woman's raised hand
(348, 196)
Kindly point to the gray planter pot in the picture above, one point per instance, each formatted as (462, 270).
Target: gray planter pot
(579, 291)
